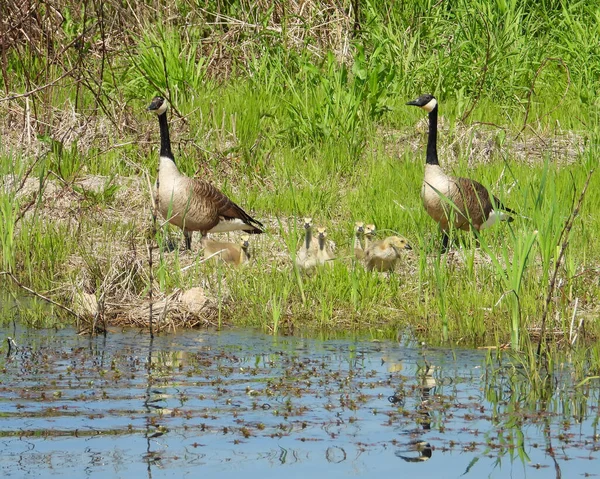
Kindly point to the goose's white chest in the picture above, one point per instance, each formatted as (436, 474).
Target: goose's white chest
(436, 182)
(435, 193)
(169, 178)
(172, 192)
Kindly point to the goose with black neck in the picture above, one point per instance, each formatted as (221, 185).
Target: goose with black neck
(454, 202)
(193, 204)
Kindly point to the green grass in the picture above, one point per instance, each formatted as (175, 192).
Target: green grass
(291, 119)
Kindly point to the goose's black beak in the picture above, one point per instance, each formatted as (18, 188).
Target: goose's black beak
(156, 103)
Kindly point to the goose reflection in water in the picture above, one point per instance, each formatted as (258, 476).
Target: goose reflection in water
(423, 451)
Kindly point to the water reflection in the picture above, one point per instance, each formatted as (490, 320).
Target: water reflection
(426, 384)
(419, 451)
(201, 402)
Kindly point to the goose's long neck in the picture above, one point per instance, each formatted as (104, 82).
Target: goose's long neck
(357, 242)
(321, 244)
(308, 237)
(165, 139)
(167, 169)
(432, 158)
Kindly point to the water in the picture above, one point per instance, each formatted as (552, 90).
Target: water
(231, 403)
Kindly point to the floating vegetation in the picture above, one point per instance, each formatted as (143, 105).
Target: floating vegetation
(215, 400)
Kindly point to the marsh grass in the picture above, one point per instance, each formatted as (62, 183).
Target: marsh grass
(296, 119)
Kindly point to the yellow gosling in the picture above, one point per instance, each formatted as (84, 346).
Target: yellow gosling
(232, 253)
(384, 254)
(359, 232)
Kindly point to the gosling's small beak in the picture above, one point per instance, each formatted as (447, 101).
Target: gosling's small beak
(407, 246)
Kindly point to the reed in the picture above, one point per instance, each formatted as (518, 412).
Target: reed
(301, 118)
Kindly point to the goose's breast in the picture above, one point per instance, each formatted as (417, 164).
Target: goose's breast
(436, 186)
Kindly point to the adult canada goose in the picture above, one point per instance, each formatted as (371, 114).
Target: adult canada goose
(359, 231)
(306, 256)
(233, 253)
(324, 254)
(190, 203)
(370, 232)
(453, 201)
(384, 254)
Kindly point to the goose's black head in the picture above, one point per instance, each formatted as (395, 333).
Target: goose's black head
(158, 105)
(426, 101)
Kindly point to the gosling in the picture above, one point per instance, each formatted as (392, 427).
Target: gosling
(306, 256)
(324, 254)
(359, 232)
(370, 233)
(384, 254)
(232, 253)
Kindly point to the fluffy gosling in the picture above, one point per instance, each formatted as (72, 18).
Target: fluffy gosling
(370, 233)
(306, 256)
(324, 254)
(384, 254)
(232, 253)
(359, 232)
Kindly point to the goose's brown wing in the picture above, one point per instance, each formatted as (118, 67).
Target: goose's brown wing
(476, 200)
(224, 207)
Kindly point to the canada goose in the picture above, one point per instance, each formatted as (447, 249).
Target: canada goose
(383, 255)
(233, 253)
(370, 232)
(191, 203)
(306, 256)
(453, 201)
(324, 254)
(359, 231)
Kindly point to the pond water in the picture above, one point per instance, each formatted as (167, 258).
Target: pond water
(239, 402)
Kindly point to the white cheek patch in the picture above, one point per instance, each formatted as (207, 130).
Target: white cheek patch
(430, 106)
(162, 108)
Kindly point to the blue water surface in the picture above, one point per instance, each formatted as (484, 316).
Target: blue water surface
(227, 404)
